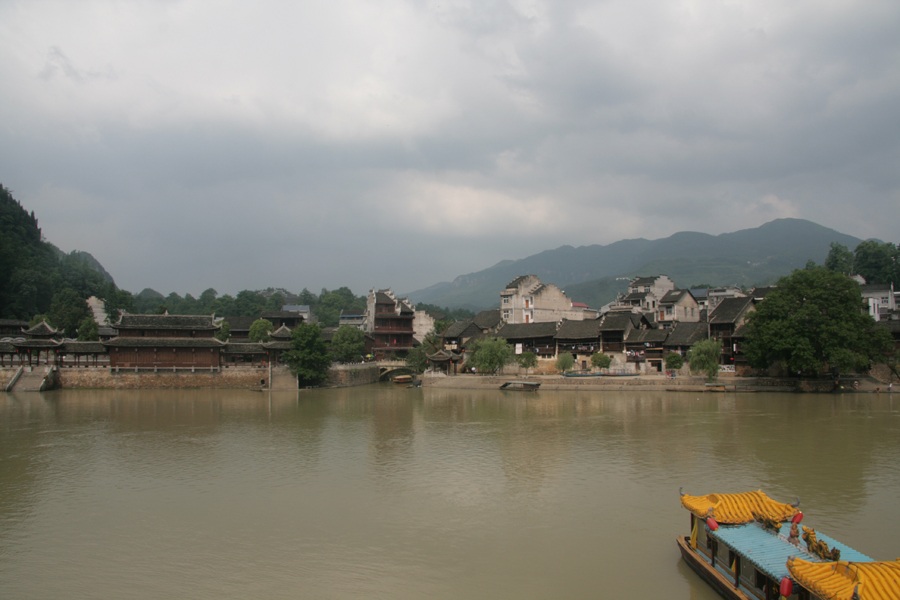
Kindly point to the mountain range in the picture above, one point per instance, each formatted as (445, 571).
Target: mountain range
(595, 274)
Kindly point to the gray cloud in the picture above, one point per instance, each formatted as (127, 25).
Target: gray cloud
(194, 144)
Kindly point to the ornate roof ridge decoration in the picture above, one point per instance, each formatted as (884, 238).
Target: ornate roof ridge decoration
(842, 580)
(42, 329)
(736, 509)
(281, 333)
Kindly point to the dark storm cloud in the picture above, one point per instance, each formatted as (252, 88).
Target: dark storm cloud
(195, 144)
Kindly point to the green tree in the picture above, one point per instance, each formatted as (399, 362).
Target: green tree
(565, 361)
(249, 304)
(115, 302)
(674, 361)
(207, 297)
(68, 310)
(490, 355)
(840, 259)
(416, 359)
(601, 361)
(813, 321)
(348, 344)
(274, 302)
(38, 319)
(224, 332)
(260, 330)
(877, 263)
(527, 360)
(308, 357)
(88, 331)
(704, 356)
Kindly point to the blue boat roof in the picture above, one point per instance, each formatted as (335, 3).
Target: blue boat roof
(769, 551)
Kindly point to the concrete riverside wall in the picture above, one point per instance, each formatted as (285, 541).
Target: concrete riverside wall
(352, 375)
(102, 377)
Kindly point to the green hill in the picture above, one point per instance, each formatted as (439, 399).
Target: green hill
(588, 273)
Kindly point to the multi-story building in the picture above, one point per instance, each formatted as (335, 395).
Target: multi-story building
(165, 341)
(527, 300)
(390, 322)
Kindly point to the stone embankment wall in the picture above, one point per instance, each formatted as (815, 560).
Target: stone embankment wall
(102, 377)
(352, 375)
(6, 375)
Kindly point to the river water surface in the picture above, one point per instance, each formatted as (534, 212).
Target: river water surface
(395, 493)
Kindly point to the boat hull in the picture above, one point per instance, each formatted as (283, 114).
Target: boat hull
(719, 582)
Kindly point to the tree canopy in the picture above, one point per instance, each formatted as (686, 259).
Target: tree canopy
(812, 321)
(88, 331)
(348, 344)
(527, 360)
(565, 361)
(601, 361)
(260, 330)
(416, 359)
(308, 358)
(490, 355)
(704, 356)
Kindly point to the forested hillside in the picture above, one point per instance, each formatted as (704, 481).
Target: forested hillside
(35, 277)
(590, 274)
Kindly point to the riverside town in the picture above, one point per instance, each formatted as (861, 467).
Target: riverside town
(652, 336)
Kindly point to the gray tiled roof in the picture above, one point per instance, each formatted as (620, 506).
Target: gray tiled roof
(41, 330)
(458, 328)
(163, 342)
(488, 319)
(616, 321)
(13, 323)
(382, 298)
(239, 323)
(875, 287)
(579, 330)
(514, 331)
(647, 335)
(282, 333)
(644, 280)
(673, 296)
(515, 282)
(730, 310)
(37, 343)
(280, 314)
(76, 347)
(194, 322)
(686, 334)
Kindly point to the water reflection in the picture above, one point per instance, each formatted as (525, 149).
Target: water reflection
(393, 492)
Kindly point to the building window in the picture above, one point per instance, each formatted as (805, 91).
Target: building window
(505, 299)
(506, 314)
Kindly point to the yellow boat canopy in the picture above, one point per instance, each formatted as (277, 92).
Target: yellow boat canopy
(838, 580)
(735, 509)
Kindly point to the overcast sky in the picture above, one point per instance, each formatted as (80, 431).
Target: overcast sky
(240, 145)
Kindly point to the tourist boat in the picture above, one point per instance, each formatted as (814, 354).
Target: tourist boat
(738, 547)
(521, 386)
(404, 379)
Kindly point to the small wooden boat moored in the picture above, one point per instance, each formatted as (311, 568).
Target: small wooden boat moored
(521, 386)
(581, 374)
(737, 546)
(404, 379)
